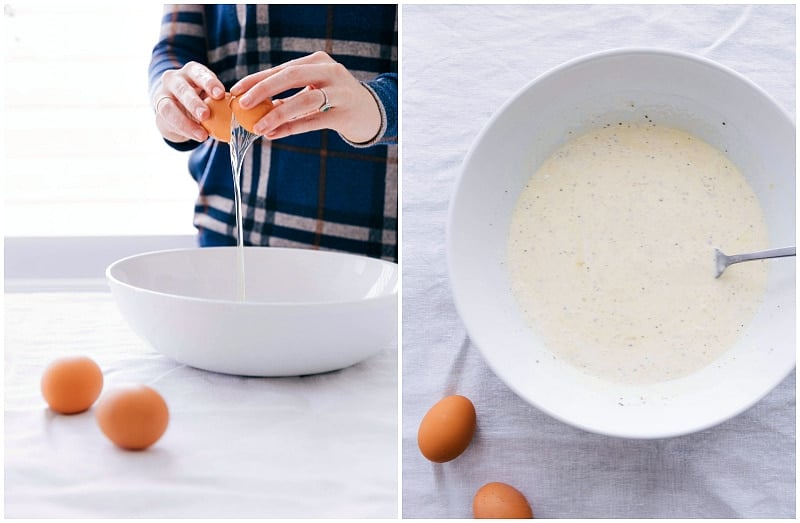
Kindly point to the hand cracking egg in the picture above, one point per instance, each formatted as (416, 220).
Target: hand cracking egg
(218, 124)
(248, 118)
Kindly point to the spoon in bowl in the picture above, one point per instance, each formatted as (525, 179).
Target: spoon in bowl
(724, 260)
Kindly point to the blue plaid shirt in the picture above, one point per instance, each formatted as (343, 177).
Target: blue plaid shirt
(313, 190)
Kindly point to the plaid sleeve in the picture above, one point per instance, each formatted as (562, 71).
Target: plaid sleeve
(181, 40)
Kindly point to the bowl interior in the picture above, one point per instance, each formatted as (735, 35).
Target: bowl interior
(672, 89)
(273, 275)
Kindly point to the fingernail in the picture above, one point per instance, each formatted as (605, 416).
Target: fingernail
(244, 101)
(260, 128)
(216, 92)
(200, 113)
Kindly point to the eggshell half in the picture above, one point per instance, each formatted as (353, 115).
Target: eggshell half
(248, 118)
(218, 124)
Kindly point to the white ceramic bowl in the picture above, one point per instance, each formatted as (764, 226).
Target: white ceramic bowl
(305, 311)
(674, 89)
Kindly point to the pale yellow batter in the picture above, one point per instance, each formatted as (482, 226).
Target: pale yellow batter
(611, 252)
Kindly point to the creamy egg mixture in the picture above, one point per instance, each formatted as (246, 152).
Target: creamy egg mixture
(610, 252)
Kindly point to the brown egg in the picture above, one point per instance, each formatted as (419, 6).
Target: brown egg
(500, 501)
(447, 428)
(218, 124)
(132, 417)
(249, 118)
(71, 385)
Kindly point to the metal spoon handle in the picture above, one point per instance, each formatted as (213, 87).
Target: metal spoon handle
(723, 261)
(769, 253)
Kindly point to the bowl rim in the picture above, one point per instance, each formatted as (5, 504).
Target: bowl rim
(622, 51)
(114, 281)
(720, 416)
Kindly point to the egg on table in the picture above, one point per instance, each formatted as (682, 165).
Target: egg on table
(447, 428)
(500, 501)
(71, 385)
(132, 417)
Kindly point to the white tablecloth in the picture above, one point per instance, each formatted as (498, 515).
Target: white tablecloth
(459, 63)
(316, 446)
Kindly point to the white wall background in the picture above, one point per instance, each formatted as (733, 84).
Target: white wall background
(87, 177)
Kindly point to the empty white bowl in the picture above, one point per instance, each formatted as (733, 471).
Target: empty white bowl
(305, 311)
(675, 89)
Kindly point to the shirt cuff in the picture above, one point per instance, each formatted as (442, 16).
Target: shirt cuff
(188, 145)
(382, 136)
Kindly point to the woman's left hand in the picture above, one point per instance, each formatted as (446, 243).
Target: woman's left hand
(352, 112)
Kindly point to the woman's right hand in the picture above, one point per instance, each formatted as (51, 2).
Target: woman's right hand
(178, 102)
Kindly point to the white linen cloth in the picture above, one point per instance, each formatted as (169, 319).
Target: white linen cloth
(317, 446)
(459, 64)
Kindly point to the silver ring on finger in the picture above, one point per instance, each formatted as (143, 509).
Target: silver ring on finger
(158, 102)
(326, 105)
